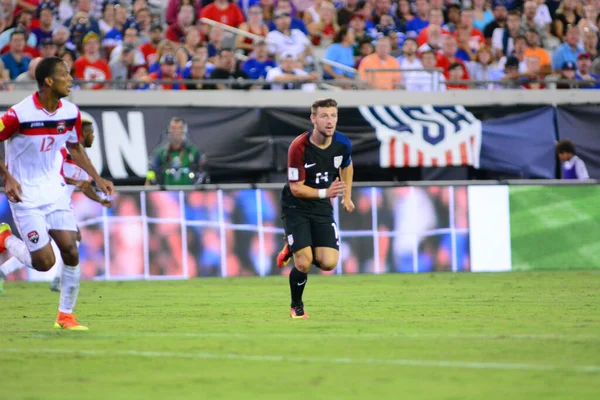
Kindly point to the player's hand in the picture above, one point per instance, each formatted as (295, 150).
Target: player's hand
(336, 189)
(348, 204)
(13, 190)
(107, 187)
(106, 203)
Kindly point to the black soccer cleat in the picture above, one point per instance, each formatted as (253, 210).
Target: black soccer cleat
(297, 312)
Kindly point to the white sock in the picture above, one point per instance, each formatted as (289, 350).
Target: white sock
(10, 266)
(69, 288)
(58, 264)
(18, 249)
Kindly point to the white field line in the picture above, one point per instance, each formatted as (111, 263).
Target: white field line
(316, 360)
(357, 336)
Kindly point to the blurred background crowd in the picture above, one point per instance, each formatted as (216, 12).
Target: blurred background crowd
(418, 45)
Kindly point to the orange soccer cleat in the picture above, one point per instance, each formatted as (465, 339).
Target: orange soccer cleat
(68, 321)
(297, 312)
(284, 256)
(5, 232)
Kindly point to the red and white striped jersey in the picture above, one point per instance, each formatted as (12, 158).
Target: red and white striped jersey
(34, 137)
(70, 169)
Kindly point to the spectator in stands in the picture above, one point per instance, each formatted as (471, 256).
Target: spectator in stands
(121, 67)
(150, 48)
(197, 71)
(568, 51)
(509, 74)
(255, 25)
(109, 16)
(69, 58)
(15, 61)
(500, 14)
(7, 10)
(224, 12)
(436, 17)
(482, 67)
(82, 16)
(590, 18)
(519, 54)
(227, 68)
(114, 37)
(357, 24)
(284, 39)
(573, 167)
(27, 80)
(381, 59)
(434, 39)
(48, 48)
(503, 38)
(323, 31)
(455, 73)
(176, 32)
(167, 72)
(60, 37)
(464, 50)
(259, 64)
(476, 38)
(215, 41)
(130, 37)
(140, 75)
(164, 47)
(387, 27)
(295, 78)
(566, 16)
(427, 80)
(448, 57)
(185, 53)
(4, 78)
(173, 8)
(534, 49)
(567, 73)
(341, 52)
(421, 20)
(311, 14)
(45, 13)
(584, 67)
(143, 19)
(404, 14)
(543, 17)
(409, 59)
(365, 48)
(452, 18)
(528, 21)
(344, 13)
(90, 66)
(286, 6)
(482, 16)
(532, 76)
(23, 21)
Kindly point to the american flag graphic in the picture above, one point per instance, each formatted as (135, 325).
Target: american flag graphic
(427, 136)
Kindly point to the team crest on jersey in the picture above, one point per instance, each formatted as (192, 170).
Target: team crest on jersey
(61, 126)
(337, 161)
(33, 236)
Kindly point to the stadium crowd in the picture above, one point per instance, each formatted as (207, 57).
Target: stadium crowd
(423, 45)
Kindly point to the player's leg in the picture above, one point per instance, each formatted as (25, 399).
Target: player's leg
(326, 243)
(9, 266)
(298, 237)
(58, 267)
(63, 231)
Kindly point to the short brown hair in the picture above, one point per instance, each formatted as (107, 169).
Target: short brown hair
(322, 103)
(565, 146)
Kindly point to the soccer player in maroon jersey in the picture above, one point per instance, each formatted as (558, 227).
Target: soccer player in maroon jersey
(319, 169)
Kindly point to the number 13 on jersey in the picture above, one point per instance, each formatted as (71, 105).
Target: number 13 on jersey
(47, 143)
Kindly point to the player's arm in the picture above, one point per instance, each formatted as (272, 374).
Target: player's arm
(9, 125)
(88, 190)
(347, 175)
(81, 159)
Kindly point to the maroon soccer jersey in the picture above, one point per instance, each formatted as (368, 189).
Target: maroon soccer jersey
(317, 167)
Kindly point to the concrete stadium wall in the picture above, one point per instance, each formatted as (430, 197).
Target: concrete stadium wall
(303, 99)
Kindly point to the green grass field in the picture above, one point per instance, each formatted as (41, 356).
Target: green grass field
(555, 227)
(524, 335)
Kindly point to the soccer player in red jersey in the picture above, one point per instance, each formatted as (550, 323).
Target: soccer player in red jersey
(35, 130)
(319, 169)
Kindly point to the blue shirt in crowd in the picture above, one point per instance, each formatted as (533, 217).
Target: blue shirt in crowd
(296, 24)
(257, 69)
(13, 67)
(343, 55)
(562, 54)
(414, 26)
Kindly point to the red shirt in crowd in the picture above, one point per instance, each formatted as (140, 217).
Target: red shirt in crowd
(149, 52)
(27, 50)
(157, 76)
(231, 16)
(443, 62)
(92, 71)
(174, 33)
(422, 37)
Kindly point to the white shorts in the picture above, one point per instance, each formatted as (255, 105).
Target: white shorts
(34, 223)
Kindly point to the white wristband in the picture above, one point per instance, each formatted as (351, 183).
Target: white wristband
(322, 193)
